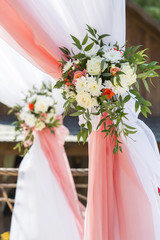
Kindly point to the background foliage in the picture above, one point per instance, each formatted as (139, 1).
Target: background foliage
(152, 7)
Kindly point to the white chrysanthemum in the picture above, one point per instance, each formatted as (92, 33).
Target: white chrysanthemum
(94, 65)
(113, 56)
(39, 126)
(106, 48)
(84, 100)
(42, 104)
(92, 52)
(30, 120)
(67, 66)
(108, 84)
(81, 84)
(94, 88)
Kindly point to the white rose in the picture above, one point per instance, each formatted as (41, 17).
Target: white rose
(117, 89)
(94, 88)
(22, 115)
(25, 108)
(113, 56)
(39, 126)
(84, 100)
(94, 102)
(32, 98)
(81, 84)
(94, 66)
(71, 94)
(30, 120)
(42, 104)
(49, 101)
(67, 66)
(130, 75)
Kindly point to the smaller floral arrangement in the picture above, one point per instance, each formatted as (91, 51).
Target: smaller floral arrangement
(37, 112)
(99, 79)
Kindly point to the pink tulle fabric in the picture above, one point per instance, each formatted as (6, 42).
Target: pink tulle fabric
(118, 208)
(11, 19)
(53, 147)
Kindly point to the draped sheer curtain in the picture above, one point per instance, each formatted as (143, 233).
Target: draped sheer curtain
(36, 29)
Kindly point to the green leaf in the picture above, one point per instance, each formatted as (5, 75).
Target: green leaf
(63, 50)
(146, 85)
(91, 31)
(89, 47)
(52, 131)
(79, 135)
(134, 92)
(127, 98)
(147, 103)
(94, 40)
(136, 106)
(115, 149)
(148, 110)
(137, 85)
(143, 110)
(76, 114)
(76, 40)
(103, 36)
(79, 55)
(84, 135)
(89, 125)
(130, 127)
(10, 111)
(58, 84)
(106, 74)
(85, 40)
(103, 63)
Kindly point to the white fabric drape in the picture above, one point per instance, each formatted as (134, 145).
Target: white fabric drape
(55, 21)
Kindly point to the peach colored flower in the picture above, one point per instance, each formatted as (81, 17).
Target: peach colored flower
(78, 74)
(114, 70)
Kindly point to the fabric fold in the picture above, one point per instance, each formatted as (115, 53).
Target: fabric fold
(118, 207)
(53, 147)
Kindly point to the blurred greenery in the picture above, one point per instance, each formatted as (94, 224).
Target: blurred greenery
(152, 7)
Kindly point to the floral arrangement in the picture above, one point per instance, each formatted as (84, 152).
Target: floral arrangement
(37, 112)
(100, 78)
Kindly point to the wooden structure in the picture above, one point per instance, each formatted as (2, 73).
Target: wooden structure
(143, 30)
(14, 172)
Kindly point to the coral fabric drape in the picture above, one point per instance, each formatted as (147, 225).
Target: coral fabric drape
(12, 21)
(53, 147)
(118, 207)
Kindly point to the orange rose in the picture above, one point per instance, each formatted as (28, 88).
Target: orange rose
(31, 106)
(114, 70)
(67, 82)
(108, 92)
